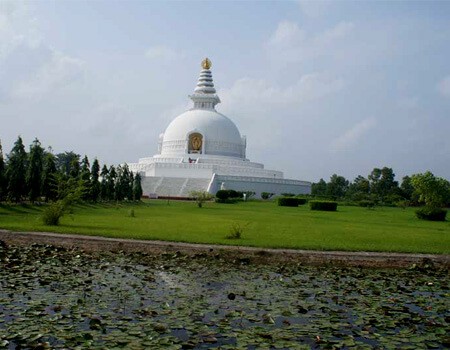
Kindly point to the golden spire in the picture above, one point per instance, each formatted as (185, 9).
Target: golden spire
(206, 63)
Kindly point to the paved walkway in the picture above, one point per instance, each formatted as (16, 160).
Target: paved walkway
(96, 243)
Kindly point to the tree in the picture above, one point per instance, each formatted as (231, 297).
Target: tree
(319, 188)
(137, 188)
(433, 191)
(118, 186)
(104, 189)
(112, 183)
(387, 184)
(95, 184)
(407, 188)
(69, 190)
(3, 183)
(359, 189)
(123, 187)
(85, 175)
(337, 187)
(382, 182)
(130, 187)
(49, 186)
(35, 170)
(65, 160)
(374, 179)
(15, 171)
(74, 170)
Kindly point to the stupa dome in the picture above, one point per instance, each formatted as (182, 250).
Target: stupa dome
(202, 130)
(202, 150)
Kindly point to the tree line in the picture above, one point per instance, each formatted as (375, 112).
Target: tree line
(380, 187)
(40, 175)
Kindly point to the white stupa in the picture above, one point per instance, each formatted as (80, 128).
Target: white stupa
(203, 150)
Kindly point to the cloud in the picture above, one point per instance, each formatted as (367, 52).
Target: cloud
(286, 35)
(162, 52)
(351, 137)
(259, 94)
(17, 27)
(314, 9)
(266, 112)
(443, 86)
(290, 43)
(58, 72)
(29, 67)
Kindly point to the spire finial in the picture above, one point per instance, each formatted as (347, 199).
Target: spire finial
(206, 63)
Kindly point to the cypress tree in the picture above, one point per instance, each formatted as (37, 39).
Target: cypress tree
(127, 184)
(95, 184)
(118, 186)
(49, 179)
(35, 170)
(15, 171)
(137, 188)
(130, 186)
(85, 175)
(104, 184)
(112, 183)
(2, 176)
(74, 171)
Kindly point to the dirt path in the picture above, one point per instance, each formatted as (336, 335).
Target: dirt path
(310, 257)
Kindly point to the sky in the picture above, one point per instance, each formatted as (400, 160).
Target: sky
(317, 87)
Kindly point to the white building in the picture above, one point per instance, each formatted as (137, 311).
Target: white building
(203, 150)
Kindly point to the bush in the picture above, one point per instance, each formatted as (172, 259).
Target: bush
(52, 214)
(301, 201)
(323, 205)
(200, 197)
(266, 195)
(367, 204)
(287, 202)
(403, 204)
(288, 194)
(236, 230)
(228, 196)
(432, 214)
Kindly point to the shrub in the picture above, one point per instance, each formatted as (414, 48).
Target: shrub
(236, 230)
(288, 194)
(228, 196)
(287, 202)
(432, 214)
(200, 197)
(301, 201)
(403, 204)
(367, 204)
(266, 195)
(52, 214)
(323, 205)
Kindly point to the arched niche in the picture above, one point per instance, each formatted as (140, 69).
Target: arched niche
(195, 143)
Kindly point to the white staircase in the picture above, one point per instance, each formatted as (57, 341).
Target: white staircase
(173, 186)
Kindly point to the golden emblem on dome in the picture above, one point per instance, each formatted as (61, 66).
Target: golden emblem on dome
(206, 63)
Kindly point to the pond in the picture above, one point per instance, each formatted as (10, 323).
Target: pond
(57, 298)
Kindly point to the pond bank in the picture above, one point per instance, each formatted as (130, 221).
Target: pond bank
(309, 257)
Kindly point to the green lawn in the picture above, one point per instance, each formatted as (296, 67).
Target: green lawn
(267, 225)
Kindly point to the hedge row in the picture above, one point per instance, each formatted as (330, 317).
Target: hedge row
(323, 205)
(290, 201)
(432, 214)
(287, 202)
(228, 196)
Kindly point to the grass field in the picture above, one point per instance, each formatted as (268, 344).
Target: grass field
(265, 225)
